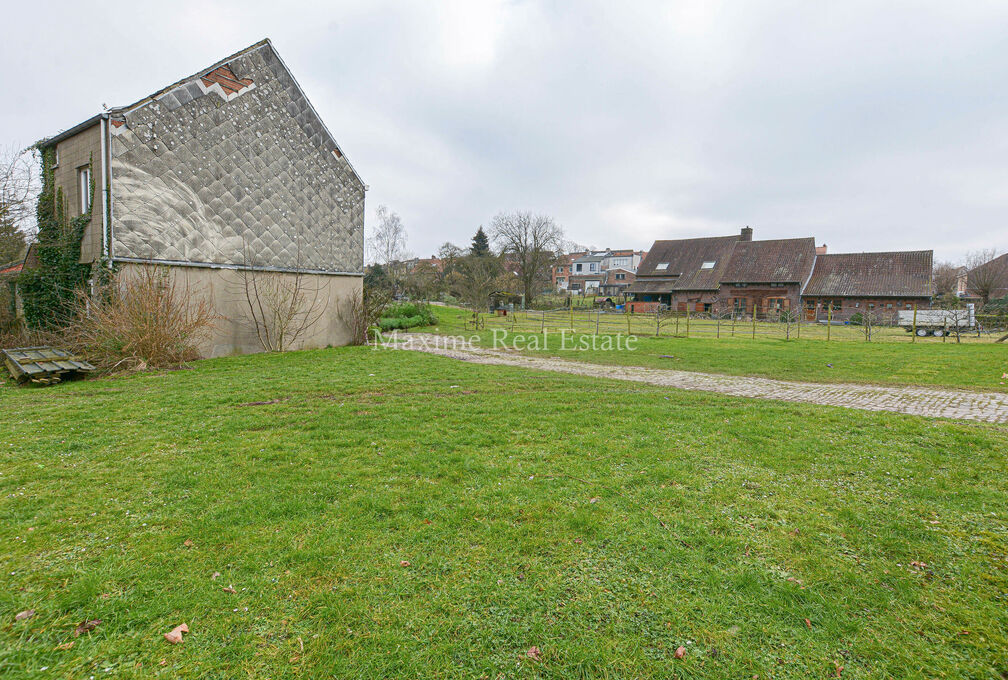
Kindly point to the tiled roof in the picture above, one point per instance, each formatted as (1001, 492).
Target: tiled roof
(12, 269)
(786, 260)
(685, 258)
(652, 286)
(225, 77)
(892, 274)
(998, 271)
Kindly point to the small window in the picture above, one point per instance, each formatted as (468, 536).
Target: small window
(84, 186)
(592, 266)
(577, 267)
(55, 156)
(661, 265)
(708, 265)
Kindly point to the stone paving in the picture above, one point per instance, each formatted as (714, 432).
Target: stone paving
(991, 407)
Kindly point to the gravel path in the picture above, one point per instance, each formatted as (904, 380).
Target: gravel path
(991, 407)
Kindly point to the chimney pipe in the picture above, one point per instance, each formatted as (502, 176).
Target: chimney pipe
(747, 233)
(820, 250)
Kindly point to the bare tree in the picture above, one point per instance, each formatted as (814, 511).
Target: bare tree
(19, 187)
(282, 305)
(475, 279)
(530, 244)
(987, 273)
(946, 278)
(388, 243)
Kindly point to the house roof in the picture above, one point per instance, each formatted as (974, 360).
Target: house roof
(999, 268)
(889, 274)
(684, 258)
(217, 76)
(786, 260)
(651, 286)
(12, 268)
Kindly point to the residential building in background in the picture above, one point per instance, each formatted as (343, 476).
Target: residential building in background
(740, 276)
(595, 271)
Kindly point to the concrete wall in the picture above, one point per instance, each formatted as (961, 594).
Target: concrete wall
(235, 330)
(74, 153)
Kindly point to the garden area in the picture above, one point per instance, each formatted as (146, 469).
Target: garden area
(272, 508)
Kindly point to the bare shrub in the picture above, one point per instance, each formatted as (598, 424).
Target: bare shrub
(361, 311)
(282, 306)
(141, 320)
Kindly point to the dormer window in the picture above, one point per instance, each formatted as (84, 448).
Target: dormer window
(708, 265)
(661, 266)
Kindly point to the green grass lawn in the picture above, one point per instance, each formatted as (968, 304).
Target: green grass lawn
(972, 366)
(605, 523)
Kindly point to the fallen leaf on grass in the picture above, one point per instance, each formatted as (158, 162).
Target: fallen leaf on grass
(403, 563)
(174, 636)
(680, 652)
(534, 653)
(839, 670)
(215, 575)
(86, 626)
(808, 623)
(26, 614)
(188, 543)
(229, 589)
(65, 646)
(594, 499)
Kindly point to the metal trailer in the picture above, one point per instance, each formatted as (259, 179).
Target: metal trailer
(937, 322)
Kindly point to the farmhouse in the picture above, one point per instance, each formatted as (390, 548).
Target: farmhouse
(735, 274)
(868, 282)
(222, 174)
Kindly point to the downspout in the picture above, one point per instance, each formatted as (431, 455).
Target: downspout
(104, 185)
(107, 175)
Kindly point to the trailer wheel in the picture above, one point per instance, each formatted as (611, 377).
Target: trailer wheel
(938, 332)
(921, 332)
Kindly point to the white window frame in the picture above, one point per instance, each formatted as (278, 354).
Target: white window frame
(661, 266)
(84, 187)
(708, 264)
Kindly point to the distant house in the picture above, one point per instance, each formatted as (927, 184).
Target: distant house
(868, 282)
(735, 274)
(992, 274)
(226, 171)
(589, 272)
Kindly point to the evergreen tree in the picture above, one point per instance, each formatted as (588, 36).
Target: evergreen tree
(480, 244)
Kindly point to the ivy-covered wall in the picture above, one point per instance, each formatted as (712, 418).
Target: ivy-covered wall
(48, 290)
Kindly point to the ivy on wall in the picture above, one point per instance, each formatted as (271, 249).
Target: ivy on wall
(48, 290)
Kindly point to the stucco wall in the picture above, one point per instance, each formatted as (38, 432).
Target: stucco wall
(74, 153)
(235, 331)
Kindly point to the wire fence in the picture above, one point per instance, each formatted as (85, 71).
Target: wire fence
(687, 325)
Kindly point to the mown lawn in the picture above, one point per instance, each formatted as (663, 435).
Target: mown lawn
(605, 523)
(974, 366)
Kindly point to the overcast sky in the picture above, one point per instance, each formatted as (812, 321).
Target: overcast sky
(869, 125)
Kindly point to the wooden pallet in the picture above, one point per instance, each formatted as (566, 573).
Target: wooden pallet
(43, 365)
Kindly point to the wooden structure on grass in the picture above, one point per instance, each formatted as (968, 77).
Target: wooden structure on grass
(43, 365)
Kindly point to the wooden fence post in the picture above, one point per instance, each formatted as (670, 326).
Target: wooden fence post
(628, 323)
(676, 324)
(733, 324)
(754, 322)
(687, 319)
(719, 327)
(657, 316)
(829, 320)
(598, 315)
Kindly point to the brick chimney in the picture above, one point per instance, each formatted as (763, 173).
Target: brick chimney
(747, 233)
(820, 250)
